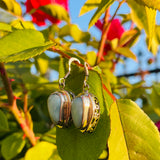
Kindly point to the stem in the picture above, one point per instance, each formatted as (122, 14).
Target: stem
(106, 25)
(66, 56)
(28, 132)
(110, 94)
(25, 106)
(103, 37)
(7, 84)
(12, 106)
(157, 70)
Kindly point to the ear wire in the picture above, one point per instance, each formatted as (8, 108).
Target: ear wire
(62, 80)
(86, 86)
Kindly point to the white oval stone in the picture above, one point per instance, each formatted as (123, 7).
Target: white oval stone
(54, 105)
(77, 111)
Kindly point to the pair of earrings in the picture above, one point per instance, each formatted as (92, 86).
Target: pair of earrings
(83, 110)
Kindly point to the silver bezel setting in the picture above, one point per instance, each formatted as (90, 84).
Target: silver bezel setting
(65, 108)
(91, 112)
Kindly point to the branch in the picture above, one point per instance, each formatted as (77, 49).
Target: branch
(25, 106)
(106, 25)
(103, 37)
(7, 84)
(66, 56)
(140, 73)
(12, 106)
(110, 94)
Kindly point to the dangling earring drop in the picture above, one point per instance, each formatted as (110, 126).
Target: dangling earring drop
(59, 103)
(85, 108)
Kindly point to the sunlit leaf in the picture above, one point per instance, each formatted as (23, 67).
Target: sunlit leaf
(151, 18)
(78, 35)
(43, 151)
(133, 134)
(56, 11)
(42, 64)
(91, 58)
(126, 52)
(19, 24)
(144, 18)
(101, 9)
(89, 5)
(11, 6)
(138, 15)
(22, 45)
(155, 4)
(127, 36)
(5, 27)
(155, 98)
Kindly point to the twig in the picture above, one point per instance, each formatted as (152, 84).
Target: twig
(106, 25)
(22, 122)
(123, 86)
(67, 56)
(103, 37)
(12, 106)
(25, 106)
(140, 73)
(110, 94)
(7, 84)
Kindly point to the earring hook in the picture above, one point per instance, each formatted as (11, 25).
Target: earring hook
(86, 86)
(62, 80)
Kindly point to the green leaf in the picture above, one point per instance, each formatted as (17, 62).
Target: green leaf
(78, 35)
(6, 17)
(74, 31)
(71, 143)
(154, 4)
(138, 15)
(125, 82)
(101, 9)
(5, 27)
(155, 99)
(151, 18)
(20, 24)
(127, 36)
(133, 134)
(22, 45)
(89, 5)
(126, 52)
(42, 64)
(109, 76)
(144, 18)
(56, 11)
(91, 58)
(3, 122)
(11, 6)
(103, 155)
(64, 31)
(43, 151)
(12, 145)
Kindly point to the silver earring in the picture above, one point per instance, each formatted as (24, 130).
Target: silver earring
(59, 102)
(85, 108)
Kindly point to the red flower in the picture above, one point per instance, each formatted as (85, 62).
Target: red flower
(115, 31)
(39, 16)
(158, 125)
